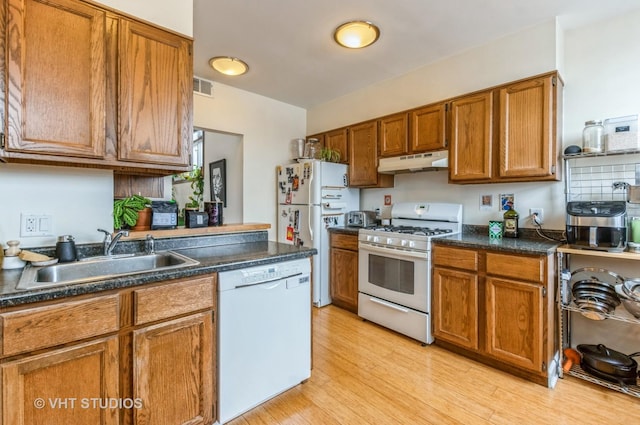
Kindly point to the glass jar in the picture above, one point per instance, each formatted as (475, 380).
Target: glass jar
(312, 149)
(593, 136)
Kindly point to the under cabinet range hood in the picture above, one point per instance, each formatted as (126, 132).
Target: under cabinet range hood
(413, 163)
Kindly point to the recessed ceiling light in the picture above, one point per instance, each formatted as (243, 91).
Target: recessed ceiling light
(228, 65)
(356, 34)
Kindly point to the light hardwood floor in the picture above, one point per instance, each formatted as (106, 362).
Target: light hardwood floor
(365, 374)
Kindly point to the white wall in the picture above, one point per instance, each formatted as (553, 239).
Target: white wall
(267, 128)
(226, 146)
(599, 64)
(79, 199)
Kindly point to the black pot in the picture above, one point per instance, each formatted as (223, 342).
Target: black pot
(609, 364)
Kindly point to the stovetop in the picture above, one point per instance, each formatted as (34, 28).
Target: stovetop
(411, 230)
(413, 225)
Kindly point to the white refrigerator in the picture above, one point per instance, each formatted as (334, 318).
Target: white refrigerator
(313, 196)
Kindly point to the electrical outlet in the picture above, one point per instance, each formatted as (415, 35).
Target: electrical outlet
(540, 215)
(36, 225)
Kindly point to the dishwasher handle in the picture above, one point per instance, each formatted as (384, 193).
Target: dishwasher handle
(276, 279)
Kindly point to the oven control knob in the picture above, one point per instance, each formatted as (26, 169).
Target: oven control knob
(389, 241)
(404, 242)
(376, 239)
(412, 244)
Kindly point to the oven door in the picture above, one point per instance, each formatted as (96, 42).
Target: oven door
(395, 275)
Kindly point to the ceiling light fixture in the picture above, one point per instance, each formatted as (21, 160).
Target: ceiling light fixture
(228, 65)
(356, 34)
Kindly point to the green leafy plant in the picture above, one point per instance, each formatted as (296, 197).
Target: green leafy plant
(125, 211)
(329, 155)
(197, 186)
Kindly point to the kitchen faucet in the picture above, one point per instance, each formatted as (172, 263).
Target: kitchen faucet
(149, 245)
(110, 242)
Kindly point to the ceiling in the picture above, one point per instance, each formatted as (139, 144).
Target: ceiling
(292, 57)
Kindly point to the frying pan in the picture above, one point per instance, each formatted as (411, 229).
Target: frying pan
(608, 364)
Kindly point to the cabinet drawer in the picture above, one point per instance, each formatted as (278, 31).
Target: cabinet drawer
(343, 241)
(51, 325)
(455, 257)
(161, 302)
(516, 267)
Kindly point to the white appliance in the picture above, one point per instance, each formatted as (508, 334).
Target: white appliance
(264, 328)
(415, 162)
(394, 266)
(313, 196)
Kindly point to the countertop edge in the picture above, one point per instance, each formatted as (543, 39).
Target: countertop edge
(18, 298)
(519, 246)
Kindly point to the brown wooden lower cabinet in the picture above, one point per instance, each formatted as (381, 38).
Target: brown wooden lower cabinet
(172, 371)
(63, 386)
(343, 277)
(496, 307)
(139, 363)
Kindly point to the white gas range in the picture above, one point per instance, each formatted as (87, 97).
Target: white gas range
(394, 266)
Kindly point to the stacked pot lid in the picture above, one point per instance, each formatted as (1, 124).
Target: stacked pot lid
(629, 294)
(594, 291)
(631, 288)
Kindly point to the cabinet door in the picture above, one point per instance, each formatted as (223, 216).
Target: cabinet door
(363, 170)
(470, 156)
(173, 371)
(338, 140)
(428, 128)
(394, 135)
(344, 278)
(56, 65)
(363, 157)
(515, 322)
(155, 95)
(455, 307)
(63, 387)
(527, 143)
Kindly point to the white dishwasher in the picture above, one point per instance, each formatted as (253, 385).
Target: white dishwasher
(264, 334)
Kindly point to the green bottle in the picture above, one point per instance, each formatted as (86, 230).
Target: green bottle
(511, 222)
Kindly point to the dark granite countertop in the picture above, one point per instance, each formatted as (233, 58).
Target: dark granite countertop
(345, 229)
(512, 245)
(477, 237)
(248, 251)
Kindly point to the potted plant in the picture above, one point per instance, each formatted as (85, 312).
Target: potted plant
(129, 211)
(197, 186)
(329, 155)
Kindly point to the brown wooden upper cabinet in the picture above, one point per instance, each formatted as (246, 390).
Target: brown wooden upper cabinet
(155, 93)
(419, 130)
(56, 65)
(427, 128)
(509, 133)
(363, 157)
(87, 86)
(393, 137)
(471, 150)
(338, 140)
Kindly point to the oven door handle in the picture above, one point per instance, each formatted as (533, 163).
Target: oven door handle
(391, 251)
(389, 305)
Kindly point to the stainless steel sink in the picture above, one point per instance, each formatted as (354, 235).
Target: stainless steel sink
(100, 268)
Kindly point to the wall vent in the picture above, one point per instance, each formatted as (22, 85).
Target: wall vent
(202, 86)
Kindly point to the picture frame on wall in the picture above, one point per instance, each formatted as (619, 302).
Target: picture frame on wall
(218, 180)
